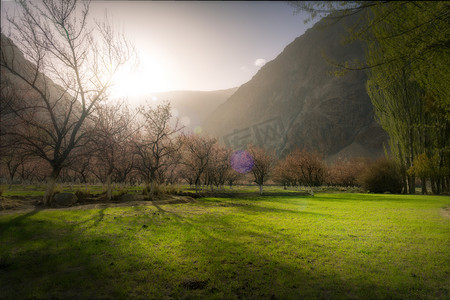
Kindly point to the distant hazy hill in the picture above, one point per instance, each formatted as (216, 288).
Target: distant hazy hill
(191, 106)
(293, 101)
(18, 90)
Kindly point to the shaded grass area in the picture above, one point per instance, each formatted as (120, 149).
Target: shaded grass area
(31, 190)
(286, 247)
(38, 190)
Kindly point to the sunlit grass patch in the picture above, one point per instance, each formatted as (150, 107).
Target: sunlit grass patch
(288, 247)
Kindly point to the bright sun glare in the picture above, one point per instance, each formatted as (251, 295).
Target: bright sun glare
(148, 77)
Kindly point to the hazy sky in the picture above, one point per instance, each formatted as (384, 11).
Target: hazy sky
(198, 45)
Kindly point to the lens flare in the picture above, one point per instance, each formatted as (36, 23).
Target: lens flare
(241, 161)
(198, 130)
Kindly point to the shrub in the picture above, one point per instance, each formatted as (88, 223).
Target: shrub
(383, 176)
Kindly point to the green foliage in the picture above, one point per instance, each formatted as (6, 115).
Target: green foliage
(429, 168)
(417, 34)
(383, 176)
(424, 167)
(409, 84)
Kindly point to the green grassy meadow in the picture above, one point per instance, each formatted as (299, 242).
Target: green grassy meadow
(336, 245)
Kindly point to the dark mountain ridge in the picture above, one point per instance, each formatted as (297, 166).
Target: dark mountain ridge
(295, 102)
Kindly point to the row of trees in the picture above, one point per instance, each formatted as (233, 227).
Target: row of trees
(147, 146)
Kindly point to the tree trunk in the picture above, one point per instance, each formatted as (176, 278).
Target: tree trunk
(51, 181)
(146, 188)
(412, 184)
(438, 185)
(433, 186)
(424, 186)
(311, 191)
(260, 189)
(405, 184)
(445, 185)
(108, 187)
(152, 187)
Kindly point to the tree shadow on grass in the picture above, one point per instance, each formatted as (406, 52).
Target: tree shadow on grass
(254, 207)
(195, 256)
(235, 262)
(101, 216)
(5, 225)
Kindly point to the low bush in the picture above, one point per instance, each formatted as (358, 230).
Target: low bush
(383, 176)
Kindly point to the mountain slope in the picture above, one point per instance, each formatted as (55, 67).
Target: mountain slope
(293, 101)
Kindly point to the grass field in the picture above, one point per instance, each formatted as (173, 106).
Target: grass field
(286, 247)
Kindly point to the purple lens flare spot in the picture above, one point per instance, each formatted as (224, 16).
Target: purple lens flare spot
(241, 161)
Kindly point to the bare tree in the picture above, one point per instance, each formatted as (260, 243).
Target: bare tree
(263, 163)
(218, 168)
(197, 152)
(346, 172)
(284, 175)
(82, 168)
(124, 161)
(156, 142)
(232, 176)
(112, 134)
(306, 168)
(69, 70)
